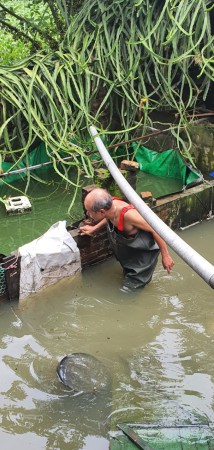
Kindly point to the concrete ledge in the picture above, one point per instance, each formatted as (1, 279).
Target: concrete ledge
(93, 249)
(184, 209)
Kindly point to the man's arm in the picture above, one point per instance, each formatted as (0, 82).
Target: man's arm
(167, 261)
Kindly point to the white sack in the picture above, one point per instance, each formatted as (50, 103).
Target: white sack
(46, 260)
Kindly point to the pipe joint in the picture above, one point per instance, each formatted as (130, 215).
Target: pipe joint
(211, 281)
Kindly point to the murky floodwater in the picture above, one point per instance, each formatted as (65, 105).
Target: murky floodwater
(156, 345)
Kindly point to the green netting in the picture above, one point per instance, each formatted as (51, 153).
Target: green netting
(188, 437)
(2, 281)
(167, 164)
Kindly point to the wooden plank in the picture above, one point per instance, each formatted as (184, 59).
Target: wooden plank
(138, 441)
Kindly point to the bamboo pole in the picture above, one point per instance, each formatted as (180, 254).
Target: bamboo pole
(29, 168)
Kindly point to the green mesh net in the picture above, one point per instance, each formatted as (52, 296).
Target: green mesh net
(2, 280)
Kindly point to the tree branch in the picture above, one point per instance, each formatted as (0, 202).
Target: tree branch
(31, 25)
(21, 33)
(57, 20)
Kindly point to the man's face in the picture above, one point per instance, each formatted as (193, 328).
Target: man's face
(96, 216)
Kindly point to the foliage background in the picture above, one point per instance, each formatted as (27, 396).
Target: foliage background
(112, 64)
(11, 48)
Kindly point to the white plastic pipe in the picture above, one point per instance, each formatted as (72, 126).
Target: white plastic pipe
(199, 264)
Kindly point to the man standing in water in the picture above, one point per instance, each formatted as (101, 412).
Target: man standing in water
(134, 243)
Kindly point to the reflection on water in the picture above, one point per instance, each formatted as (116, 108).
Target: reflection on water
(157, 345)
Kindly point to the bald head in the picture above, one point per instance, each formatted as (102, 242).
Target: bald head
(98, 199)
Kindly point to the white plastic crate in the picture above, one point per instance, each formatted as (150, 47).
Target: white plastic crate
(18, 205)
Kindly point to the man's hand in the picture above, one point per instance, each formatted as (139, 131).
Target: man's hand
(167, 262)
(87, 230)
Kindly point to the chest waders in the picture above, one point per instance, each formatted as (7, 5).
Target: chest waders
(137, 255)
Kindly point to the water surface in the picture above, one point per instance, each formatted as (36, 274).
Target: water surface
(156, 345)
(50, 201)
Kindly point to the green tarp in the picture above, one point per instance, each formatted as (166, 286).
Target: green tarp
(166, 164)
(36, 156)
